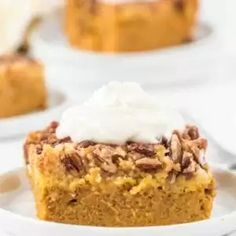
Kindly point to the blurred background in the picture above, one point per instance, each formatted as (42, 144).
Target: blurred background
(197, 78)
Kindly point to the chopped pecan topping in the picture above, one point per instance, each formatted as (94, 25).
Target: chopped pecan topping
(183, 153)
(186, 159)
(107, 151)
(65, 140)
(105, 156)
(191, 167)
(176, 148)
(192, 143)
(39, 149)
(209, 191)
(115, 158)
(106, 163)
(73, 162)
(164, 142)
(54, 125)
(49, 139)
(202, 159)
(191, 133)
(148, 164)
(99, 157)
(201, 143)
(189, 176)
(144, 149)
(48, 136)
(109, 167)
(197, 148)
(86, 144)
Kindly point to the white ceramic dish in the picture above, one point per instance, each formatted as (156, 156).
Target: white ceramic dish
(158, 66)
(17, 209)
(22, 124)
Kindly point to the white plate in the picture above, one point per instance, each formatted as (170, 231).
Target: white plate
(158, 66)
(22, 124)
(17, 214)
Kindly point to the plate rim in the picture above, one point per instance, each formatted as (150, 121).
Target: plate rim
(38, 114)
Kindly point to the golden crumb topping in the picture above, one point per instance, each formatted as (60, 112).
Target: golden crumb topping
(183, 154)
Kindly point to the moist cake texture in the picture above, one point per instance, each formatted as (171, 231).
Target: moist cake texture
(123, 26)
(22, 86)
(133, 184)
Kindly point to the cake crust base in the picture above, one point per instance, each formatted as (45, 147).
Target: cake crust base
(121, 209)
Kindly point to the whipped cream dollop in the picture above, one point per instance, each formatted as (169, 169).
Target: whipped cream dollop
(14, 18)
(117, 113)
(16, 15)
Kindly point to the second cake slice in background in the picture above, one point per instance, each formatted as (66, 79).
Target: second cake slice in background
(121, 26)
(22, 85)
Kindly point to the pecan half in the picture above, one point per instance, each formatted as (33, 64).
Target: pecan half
(186, 159)
(86, 144)
(148, 164)
(191, 133)
(197, 148)
(188, 176)
(54, 125)
(191, 167)
(53, 141)
(73, 162)
(175, 147)
(164, 142)
(115, 158)
(39, 149)
(188, 163)
(106, 163)
(65, 140)
(202, 159)
(109, 167)
(201, 143)
(105, 157)
(195, 151)
(99, 157)
(49, 138)
(144, 149)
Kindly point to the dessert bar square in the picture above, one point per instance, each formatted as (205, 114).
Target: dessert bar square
(123, 26)
(22, 86)
(133, 184)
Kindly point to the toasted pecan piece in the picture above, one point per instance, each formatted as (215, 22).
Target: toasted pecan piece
(148, 164)
(73, 162)
(176, 148)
